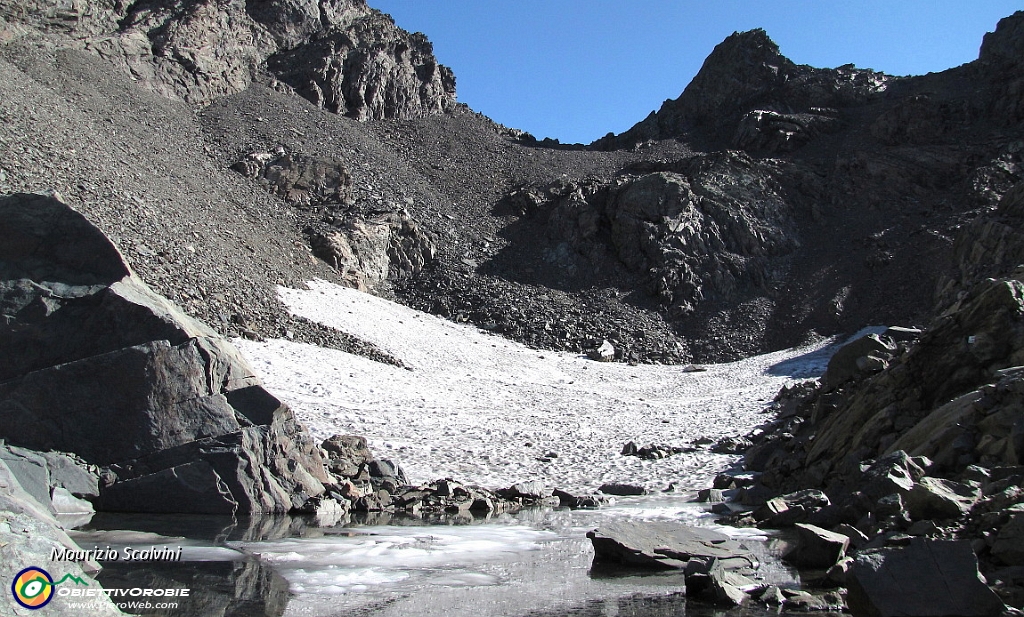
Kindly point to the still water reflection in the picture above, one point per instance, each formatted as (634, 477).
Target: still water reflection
(536, 563)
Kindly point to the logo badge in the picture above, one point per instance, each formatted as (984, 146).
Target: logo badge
(33, 588)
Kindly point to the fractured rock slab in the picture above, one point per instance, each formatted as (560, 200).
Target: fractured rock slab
(664, 545)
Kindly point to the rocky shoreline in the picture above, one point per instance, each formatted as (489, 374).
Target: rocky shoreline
(906, 451)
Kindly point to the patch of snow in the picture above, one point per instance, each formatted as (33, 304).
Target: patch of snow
(485, 410)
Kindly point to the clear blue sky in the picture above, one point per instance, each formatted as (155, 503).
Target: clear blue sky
(577, 69)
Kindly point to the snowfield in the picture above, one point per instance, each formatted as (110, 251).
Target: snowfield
(485, 410)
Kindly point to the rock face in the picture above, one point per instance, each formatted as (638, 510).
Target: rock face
(710, 227)
(119, 376)
(365, 247)
(924, 440)
(951, 397)
(299, 179)
(990, 246)
(366, 251)
(1001, 50)
(28, 535)
(371, 69)
(339, 54)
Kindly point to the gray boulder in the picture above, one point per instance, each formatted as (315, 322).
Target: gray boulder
(724, 590)
(386, 474)
(707, 579)
(862, 356)
(621, 490)
(1008, 547)
(570, 500)
(347, 455)
(817, 548)
(605, 352)
(72, 474)
(925, 579)
(711, 495)
(787, 510)
(56, 481)
(30, 470)
(805, 602)
(663, 545)
(532, 489)
(856, 536)
(893, 473)
(771, 596)
(367, 251)
(64, 503)
(119, 376)
(938, 498)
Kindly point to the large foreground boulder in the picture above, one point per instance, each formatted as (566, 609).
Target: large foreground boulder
(925, 579)
(103, 367)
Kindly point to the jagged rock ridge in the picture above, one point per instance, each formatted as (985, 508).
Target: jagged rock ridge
(340, 54)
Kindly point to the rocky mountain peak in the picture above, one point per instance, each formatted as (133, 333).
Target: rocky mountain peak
(744, 66)
(1006, 44)
(744, 80)
(339, 54)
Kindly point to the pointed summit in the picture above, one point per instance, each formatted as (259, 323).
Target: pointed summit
(744, 73)
(744, 67)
